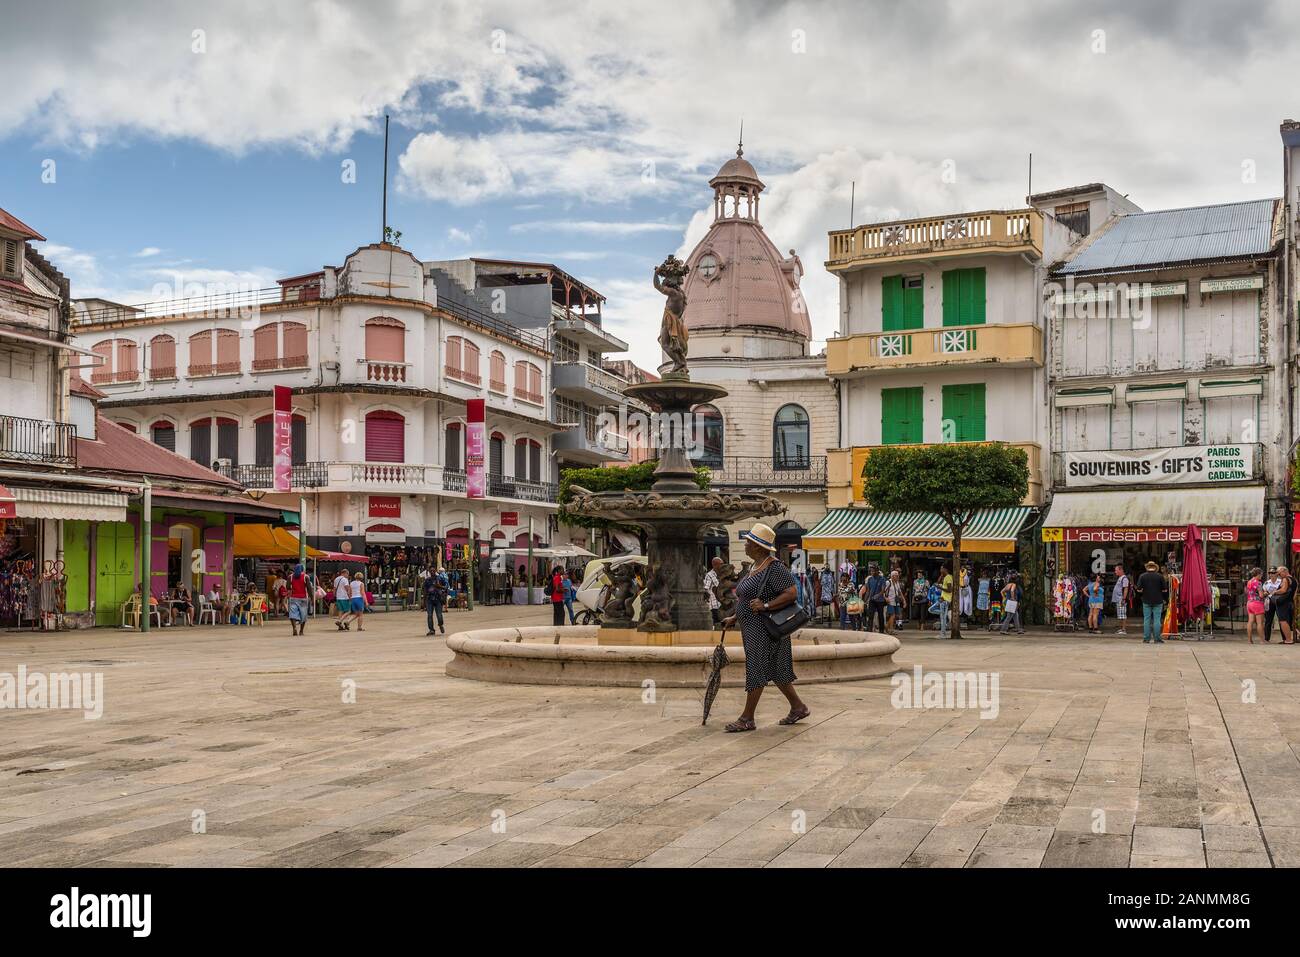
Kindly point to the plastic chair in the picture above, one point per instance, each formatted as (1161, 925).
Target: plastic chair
(206, 608)
(257, 608)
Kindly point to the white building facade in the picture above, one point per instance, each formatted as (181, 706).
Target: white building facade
(381, 370)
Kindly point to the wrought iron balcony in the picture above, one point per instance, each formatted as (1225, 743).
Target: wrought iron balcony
(304, 475)
(37, 440)
(503, 486)
(767, 472)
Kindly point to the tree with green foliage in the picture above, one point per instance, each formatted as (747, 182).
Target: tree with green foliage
(612, 478)
(952, 480)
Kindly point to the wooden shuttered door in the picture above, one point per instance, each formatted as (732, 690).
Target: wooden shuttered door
(201, 441)
(497, 454)
(963, 413)
(451, 458)
(902, 303)
(901, 416)
(963, 297)
(385, 437)
(228, 440)
(264, 441)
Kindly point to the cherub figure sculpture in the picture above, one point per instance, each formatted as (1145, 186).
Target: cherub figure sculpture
(617, 608)
(668, 279)
(657, 605)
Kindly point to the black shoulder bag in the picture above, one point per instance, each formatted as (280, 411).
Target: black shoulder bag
(784, 621)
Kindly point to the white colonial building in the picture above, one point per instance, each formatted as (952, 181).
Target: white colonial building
(381, 368)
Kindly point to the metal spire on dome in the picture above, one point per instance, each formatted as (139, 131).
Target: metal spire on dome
(740, 146)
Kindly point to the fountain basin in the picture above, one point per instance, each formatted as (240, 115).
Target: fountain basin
(584, 655)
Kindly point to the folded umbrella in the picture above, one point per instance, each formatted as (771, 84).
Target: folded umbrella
(717, 661)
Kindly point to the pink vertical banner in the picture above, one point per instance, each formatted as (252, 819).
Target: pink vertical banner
(282, 438)
(475, 485)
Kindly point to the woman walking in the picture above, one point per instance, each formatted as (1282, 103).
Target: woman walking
(1284, 601)
(1011, 596)
(895, 597)
(343, 600)
(1095, 595)
(1255, 605)
(768, 587)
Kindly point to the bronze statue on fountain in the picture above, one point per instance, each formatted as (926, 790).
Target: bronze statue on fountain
(676, 511)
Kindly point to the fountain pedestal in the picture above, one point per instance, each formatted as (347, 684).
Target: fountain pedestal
(675, 512)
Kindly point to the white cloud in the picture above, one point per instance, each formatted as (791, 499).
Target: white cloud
(460, 170)
(458, 235)
(147, 252)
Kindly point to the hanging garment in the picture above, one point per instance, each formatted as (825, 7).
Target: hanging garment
(982, 596)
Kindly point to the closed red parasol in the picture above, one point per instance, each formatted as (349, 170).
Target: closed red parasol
(1194, 597)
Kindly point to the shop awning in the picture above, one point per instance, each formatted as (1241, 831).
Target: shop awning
(990, 530)
(1150, 508)
(230, 504)
(70, 504)
(267, 541)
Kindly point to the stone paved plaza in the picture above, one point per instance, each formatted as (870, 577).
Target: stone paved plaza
(246, 731)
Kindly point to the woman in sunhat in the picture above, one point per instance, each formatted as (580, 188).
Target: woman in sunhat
(769, 586)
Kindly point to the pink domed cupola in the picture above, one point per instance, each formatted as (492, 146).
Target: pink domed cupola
(738, 279)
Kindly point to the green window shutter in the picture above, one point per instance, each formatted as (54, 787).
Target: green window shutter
(951, 294)
(913, 307)
(891, 303)
(963, 297)
(963, 405)
(901, 416)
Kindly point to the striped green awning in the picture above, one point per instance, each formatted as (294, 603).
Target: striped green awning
(990, 530)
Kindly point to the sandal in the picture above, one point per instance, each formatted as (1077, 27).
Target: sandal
(740, 724)
(794, 717)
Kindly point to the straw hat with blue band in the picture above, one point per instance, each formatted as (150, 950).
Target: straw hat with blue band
(761, 535)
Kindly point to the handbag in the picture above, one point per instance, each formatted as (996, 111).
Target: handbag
(853, 606)
(1012, 605)
(783, 621)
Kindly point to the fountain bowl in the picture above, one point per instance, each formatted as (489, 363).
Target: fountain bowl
(591, 656)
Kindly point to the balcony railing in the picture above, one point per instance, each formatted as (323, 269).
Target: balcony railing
(381, 371)
(37, 440)
(468, 376)
(938, 237)
(534, 397)
(1019, 344)
(502, 486)
(757, 471)
(103, 377)
(453, 480)
(387, 473)
(304, 475)
(158, 373)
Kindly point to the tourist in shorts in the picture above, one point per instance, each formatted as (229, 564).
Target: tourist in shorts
(357, 595)
(1119, 595)
(343, 600)
(300, 587)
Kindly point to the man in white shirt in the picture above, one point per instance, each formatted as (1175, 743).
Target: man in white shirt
(710, 583)
(1270, 610)
(342, 600)
(1120, 597)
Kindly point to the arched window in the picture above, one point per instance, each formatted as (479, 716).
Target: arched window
(266, 347)
(528, 460)
(497, 372)
(528, 382)
(280, 345)
(162, 357)
(163, 433)
(790, 438)
(227, 351)
(709, 436)
(385, 350)
(463, 361)
(201, 450)
(119, 364)
(201, 354)
(264, 440)
(385, 437)
(293, 345)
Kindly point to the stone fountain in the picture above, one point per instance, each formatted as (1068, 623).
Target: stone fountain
(671, 643)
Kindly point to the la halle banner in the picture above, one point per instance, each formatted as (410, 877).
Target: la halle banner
(1184, 465)
(475, 479)
(282, 438)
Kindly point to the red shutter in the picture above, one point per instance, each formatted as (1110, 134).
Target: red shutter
(385, 437)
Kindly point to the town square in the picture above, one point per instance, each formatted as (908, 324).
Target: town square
(802, 437)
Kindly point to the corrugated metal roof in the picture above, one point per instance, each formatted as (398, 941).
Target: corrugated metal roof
(1194, 234)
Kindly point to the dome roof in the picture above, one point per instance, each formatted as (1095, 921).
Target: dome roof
(744, 282)
(737, 170)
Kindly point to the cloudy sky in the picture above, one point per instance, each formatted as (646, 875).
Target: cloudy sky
(173, 142)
